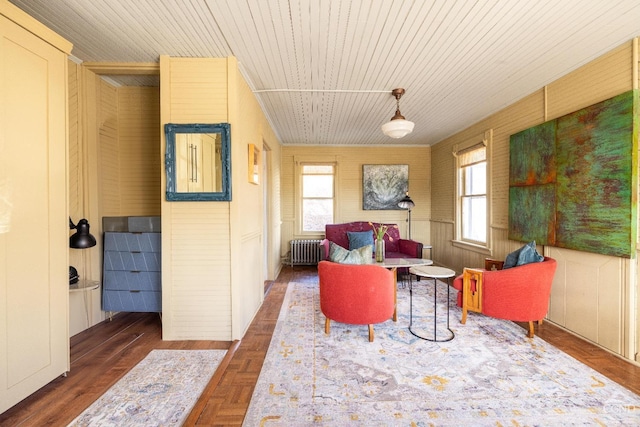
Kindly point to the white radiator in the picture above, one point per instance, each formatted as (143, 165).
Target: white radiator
(305, 252)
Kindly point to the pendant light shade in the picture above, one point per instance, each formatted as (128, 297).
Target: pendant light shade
(398, 126)
(81, 239)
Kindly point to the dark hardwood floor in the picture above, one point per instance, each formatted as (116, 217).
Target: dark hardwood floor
(104, 353)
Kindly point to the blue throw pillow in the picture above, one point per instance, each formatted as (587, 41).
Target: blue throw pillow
(340, 255)
(525, 255)
(358, 239)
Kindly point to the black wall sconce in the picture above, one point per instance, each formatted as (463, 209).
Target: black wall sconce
(81, 239)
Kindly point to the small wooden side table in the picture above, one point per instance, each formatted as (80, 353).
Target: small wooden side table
(435, 273)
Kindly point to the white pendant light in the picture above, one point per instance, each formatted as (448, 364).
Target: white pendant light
(397, 127)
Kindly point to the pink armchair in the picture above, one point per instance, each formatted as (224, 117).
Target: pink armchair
(520, 294)
(356, 294)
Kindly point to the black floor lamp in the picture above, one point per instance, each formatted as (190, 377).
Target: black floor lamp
(407, 203)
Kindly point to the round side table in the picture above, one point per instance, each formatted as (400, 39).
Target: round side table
(435, 273)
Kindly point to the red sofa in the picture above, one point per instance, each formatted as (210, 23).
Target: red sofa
(356, 294)
(520, 294)
(395, 247)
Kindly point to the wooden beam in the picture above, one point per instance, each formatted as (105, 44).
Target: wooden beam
(123, 68)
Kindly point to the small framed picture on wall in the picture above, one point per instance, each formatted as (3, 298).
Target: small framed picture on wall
(254, 164)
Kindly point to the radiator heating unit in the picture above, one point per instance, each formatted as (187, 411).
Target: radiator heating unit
(305, 252)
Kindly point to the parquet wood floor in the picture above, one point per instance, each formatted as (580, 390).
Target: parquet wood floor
(104, 353)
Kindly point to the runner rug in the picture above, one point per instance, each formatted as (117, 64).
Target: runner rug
(158, 391)
(490, 374)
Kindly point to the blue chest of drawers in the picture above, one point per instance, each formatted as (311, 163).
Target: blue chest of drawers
(132, 273)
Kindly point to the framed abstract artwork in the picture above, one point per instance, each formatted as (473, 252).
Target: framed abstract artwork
(383, 186)
(572, 180)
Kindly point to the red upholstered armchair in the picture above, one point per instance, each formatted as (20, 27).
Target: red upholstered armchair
(356, 294)
(520, 294)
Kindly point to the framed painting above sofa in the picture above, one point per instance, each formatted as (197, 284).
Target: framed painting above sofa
(383, 186)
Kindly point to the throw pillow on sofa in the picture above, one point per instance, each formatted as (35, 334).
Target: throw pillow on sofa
(341, 255)
(525, 255)
(358, 239)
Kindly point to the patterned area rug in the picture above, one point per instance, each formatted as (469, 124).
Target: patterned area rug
(158, 391)
(489, 374)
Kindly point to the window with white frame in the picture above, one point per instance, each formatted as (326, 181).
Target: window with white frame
(317, 185)
(472, 194)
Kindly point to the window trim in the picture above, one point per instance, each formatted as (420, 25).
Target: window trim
(483, 139)
(300, 199)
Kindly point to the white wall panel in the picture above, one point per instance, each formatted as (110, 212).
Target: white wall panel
(34, 345)
(587, 296)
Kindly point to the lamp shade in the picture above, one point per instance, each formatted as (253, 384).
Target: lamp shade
(406, 202)
(397, 128)
(81, 239)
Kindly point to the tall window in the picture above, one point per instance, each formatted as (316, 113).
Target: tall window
(472, 194)
(317, 196)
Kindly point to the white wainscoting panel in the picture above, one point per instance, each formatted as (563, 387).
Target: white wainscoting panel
(587, 296)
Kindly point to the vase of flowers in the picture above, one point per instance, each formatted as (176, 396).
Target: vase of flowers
(380, 250)
(379, 232)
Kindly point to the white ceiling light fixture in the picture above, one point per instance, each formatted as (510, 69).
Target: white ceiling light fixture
(397, 127)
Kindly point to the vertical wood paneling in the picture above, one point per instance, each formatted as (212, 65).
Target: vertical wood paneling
(589, 283)
(139, 150)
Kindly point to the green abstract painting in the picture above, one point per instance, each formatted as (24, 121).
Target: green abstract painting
(532, 156)
(534, 217)
(573, 180)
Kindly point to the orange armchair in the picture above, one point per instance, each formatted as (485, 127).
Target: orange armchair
(520, 294)
(356, 294)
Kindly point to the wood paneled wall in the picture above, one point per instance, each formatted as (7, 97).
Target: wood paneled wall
(114, 166)
(139, 150)
(196, 260)
(348, 206)
(592, 295)
(214, 252)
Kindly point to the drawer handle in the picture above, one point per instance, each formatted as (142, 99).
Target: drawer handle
(135, 252)
(135, 292)
(135, 271)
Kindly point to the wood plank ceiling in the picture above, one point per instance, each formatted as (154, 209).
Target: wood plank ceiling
(323, 70)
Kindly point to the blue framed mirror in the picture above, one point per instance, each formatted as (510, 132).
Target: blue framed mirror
(198, 162)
